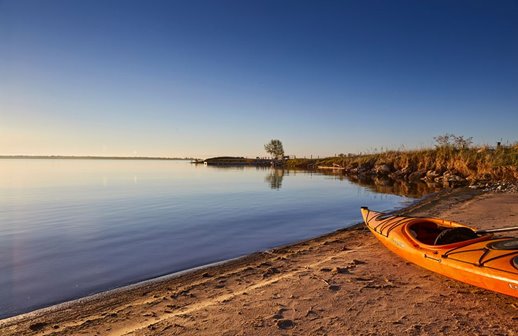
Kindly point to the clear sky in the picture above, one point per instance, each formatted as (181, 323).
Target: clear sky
(204, 78)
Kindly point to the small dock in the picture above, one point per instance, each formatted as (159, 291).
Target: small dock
(333, 167)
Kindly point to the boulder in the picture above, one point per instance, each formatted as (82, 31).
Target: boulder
(431, 175)
(452, 180)
(364, 167)
(397, 175)
(383, 169)
(417, 175)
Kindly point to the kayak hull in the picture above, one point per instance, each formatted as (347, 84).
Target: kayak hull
(485, 261)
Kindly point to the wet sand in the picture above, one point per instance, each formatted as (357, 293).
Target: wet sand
(344, 283)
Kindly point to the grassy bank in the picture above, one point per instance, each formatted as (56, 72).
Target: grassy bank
(472, 164)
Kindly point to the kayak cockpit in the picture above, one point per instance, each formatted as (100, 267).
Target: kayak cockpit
(424, 232)
(430, 233)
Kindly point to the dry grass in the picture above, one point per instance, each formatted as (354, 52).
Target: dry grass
(477, 163)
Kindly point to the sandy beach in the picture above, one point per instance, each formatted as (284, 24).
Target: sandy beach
(344, 283)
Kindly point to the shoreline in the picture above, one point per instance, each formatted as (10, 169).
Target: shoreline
(226, 280)
(168, 276)
(162, 278)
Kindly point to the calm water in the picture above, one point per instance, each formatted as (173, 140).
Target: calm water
(69, 228)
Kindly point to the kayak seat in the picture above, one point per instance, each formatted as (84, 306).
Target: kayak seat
(455, 235)
(425, 232)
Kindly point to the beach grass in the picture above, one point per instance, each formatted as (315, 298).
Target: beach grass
(477, 163)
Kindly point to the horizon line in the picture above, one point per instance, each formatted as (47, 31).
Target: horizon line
(93, 157)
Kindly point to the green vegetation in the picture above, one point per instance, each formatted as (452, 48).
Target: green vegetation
(275, 149)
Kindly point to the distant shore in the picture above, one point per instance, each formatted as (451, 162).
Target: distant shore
(66, 157)
(342, 283)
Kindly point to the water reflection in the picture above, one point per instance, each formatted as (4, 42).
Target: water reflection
(386, 185)
(383, 185)
(274, 178)
(81, 226)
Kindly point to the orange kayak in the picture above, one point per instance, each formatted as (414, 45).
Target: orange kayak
(450, 249)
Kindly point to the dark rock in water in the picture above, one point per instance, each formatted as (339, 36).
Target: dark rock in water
(383, 169)
(417, 175)
(365, 167)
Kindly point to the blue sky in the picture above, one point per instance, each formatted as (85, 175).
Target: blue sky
(204, 78)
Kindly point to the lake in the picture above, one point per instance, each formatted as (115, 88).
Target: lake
(71, 228)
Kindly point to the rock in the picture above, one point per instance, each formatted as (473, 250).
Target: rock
(38, 326)
(439, 179)
(342, 270)
(334, 288)
(397, 175)
(285, 324)
(358, 262)
(417, 175)
(271, 271)
(406, 170)
(383, 169)
(364, 167)
(430, 176)
(311, 314)
(454, 180)
(501, 187)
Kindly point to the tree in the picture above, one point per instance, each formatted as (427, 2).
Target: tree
(443, 140)
(453, 141)
(463, 143)
(274, 148)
